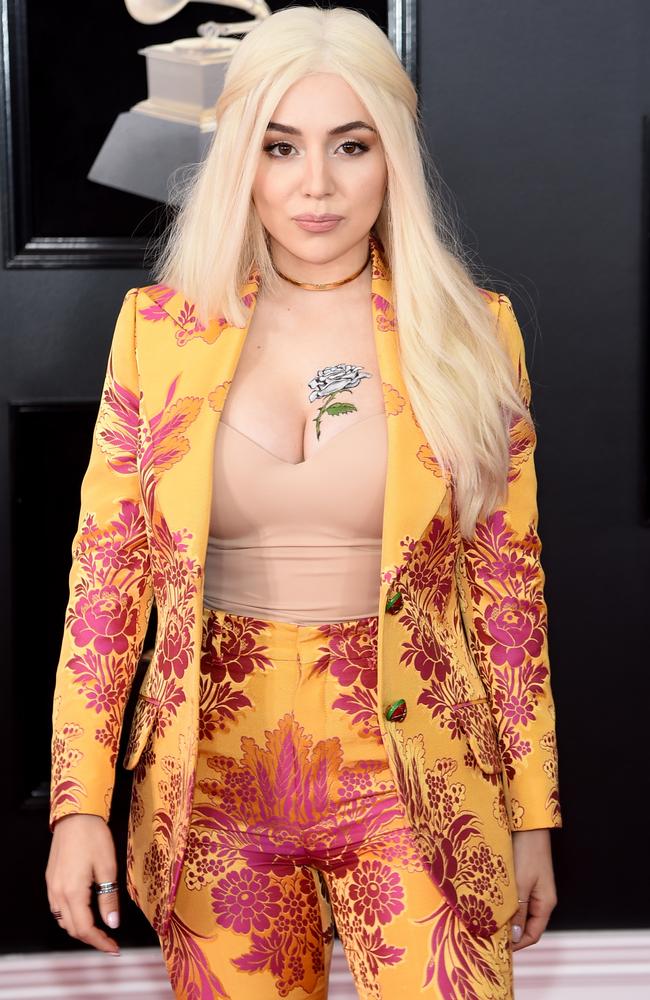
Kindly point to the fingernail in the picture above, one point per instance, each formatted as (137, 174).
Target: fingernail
(113, 919)
(115, 953)
(516, 932)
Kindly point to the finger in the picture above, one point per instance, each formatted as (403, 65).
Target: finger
(65, 920)
(518, 923)
(535, 927)
(59, 908)
(83, 923)
(55, 909)
(108, 902)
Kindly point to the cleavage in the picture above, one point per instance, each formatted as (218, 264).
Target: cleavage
(309, 458)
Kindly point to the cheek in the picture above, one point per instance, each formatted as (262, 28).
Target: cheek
(270, 186)
(370, 173)
(257, 190)
(372, 180)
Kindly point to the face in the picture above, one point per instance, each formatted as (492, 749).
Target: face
(320, 155)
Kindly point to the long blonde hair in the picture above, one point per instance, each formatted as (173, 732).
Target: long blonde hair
(460, 380)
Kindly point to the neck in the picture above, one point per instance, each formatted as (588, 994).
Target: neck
(321, 277)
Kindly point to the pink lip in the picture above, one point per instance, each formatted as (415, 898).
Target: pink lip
(317, 218)
(317, 227)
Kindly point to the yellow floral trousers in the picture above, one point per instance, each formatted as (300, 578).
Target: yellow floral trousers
(297, 827)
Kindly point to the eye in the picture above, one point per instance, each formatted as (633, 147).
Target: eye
(359, 146)
(277, 145)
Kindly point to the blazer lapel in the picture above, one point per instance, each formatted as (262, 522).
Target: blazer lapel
(204, 371)
(415, 486)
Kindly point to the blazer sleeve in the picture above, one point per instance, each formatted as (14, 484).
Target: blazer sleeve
(501, 582)
(110, 595)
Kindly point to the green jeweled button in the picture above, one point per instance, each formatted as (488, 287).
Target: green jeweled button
(394, 603)
(397, 711)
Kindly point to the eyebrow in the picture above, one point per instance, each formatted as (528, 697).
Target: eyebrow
(290, 130)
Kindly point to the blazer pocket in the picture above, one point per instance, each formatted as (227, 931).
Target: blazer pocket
(478, 725)
(144, 716)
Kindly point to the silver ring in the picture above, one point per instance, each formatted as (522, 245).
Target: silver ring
(523, 900)
(102, 887)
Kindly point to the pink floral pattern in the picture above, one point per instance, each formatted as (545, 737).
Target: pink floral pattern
(501, 590)
(297, 827)
(109, 602)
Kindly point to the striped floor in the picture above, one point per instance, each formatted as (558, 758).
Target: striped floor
(563, 965)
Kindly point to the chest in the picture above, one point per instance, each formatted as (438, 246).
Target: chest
(302, 378)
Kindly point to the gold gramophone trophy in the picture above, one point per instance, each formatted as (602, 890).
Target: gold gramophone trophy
(173, 126)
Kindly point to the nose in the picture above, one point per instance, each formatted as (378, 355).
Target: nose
(317, 179)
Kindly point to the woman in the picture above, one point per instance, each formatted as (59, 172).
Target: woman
(315, 451)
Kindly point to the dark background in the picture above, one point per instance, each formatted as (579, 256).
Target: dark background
(534, 117)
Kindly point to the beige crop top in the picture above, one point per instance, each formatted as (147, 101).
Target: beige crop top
(298, 542)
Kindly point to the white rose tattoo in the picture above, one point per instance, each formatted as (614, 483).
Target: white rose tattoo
(328, 383)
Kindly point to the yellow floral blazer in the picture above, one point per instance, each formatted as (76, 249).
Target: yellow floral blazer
(466, 710)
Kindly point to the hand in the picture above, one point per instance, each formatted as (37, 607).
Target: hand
(535, 882)
(82, 852)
